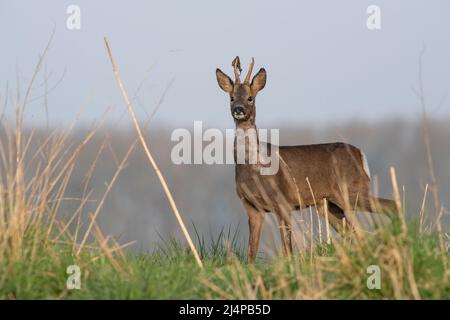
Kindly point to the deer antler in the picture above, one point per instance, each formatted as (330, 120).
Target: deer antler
(237, 69)
(249, 73)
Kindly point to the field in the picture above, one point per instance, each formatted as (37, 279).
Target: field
(38, 244)
(49, 250)
(412, 267)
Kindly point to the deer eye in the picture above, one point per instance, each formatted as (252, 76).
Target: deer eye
(232, 99)
(250, 99)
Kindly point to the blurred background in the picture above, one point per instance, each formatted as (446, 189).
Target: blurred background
(330, 78)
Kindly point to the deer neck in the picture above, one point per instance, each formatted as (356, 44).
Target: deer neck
(246, 142)
(245, 125)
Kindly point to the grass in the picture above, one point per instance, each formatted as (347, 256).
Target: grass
(171, 272)
(38, 242)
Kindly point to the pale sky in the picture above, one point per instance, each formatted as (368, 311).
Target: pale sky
(323, 64)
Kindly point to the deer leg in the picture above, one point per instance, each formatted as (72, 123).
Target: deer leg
(255, 221)
(380, 205)
(285, 233)
(364, 201)
(337, 219)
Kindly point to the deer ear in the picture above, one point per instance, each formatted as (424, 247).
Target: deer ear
(224, 81)
(259, 81)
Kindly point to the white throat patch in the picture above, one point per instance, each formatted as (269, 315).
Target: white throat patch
(365, 163)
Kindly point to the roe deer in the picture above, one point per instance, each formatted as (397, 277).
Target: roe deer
(310, 174)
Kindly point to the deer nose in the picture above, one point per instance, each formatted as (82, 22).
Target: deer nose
(239, 113)
(239, 110)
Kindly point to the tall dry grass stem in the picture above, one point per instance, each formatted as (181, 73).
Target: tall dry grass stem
(397, 199)
(422, 209)
(426, 138)
(152, 160)
(327, 223)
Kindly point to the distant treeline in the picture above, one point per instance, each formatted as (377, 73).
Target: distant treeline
(137, 209)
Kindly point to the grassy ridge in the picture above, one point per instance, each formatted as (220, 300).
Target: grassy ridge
(39, 241)
(330, 272)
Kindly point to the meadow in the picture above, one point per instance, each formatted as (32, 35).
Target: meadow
(41, 236)
(53, 214)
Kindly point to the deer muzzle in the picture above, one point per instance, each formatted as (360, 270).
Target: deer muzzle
(239, 113)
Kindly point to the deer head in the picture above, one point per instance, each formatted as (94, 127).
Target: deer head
(242, 95)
